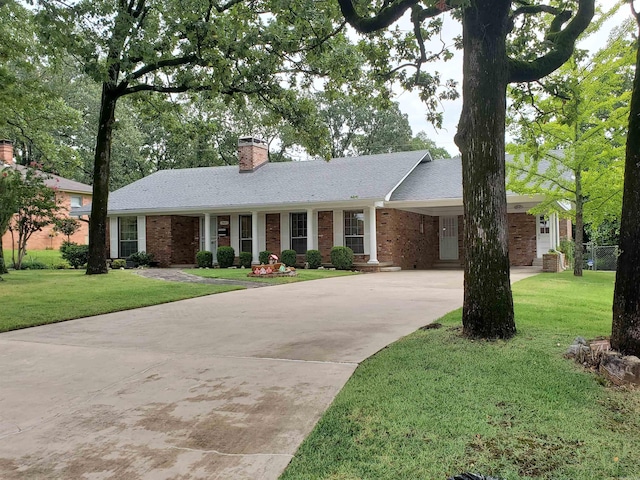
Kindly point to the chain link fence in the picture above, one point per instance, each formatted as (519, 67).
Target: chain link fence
(600, 257)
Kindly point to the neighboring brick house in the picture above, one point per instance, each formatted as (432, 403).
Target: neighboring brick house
(400, 209)
(70, 194)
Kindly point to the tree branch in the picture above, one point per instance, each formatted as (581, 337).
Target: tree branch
(389, 14)
(563, 42)
(160, 64)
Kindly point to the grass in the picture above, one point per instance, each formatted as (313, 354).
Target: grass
(37, 297)
(435, 404)
(47, 257)
(241, 274)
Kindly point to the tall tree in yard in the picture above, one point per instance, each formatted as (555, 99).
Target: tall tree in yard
(570, 136)
(490, 64)
(625, 335)
(232, 48)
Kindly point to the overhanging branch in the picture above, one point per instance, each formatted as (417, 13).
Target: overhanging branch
(388, 15)
(563, 44)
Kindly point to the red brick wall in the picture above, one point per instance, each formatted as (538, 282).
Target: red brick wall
(401, 242)
(522, 238)
(272, 234)
(47, 237)
(325, 234)
(566, 229)
(173, 240)
(224, 241)
(159, 238)
(185, 239)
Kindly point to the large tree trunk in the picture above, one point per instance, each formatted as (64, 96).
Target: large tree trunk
(625, 335)
(578, 244)
(97, 262)
(488, 304)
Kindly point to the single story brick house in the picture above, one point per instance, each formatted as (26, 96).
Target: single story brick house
(69, 193)
(400, 209)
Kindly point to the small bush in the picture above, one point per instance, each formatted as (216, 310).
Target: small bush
(76, 255)
(204, 259)
(118, 263)
(225, 256)
(141, 258)
(342, 258)
(65, 245)
(245, 259)
(263, 257)
(288, 257)
(567, 247)
(314, 258)
(34, 265)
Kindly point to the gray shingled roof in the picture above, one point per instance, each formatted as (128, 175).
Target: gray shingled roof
(61, 183)
(342, 179)
(434, 180)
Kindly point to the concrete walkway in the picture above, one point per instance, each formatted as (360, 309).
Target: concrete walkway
(176, 275)
(218, 387)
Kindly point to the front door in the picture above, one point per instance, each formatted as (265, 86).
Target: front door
(543, 238)
(449, 238)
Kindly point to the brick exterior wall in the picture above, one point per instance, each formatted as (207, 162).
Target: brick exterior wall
(47, 237)
(272, 234)
(325, 234)
(566, 229)
(185, 239)
(159, 238)
(401, 242)
(522, 239)
(173, 240)
(224, 241)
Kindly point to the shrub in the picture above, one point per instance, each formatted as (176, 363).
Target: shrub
(76, 255)
(204, 258)
(245, 259)
(567, 247)
(314, 258)
(66, 245)
(263, 257)
(225, 256)
(118, 263)
(34, 265)
(141, 258)
(288, 257)
(342, 258)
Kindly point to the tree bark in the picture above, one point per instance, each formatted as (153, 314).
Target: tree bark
(578, 244)
(97, 262)
(3, 267)
(625, 334)
(488, 303)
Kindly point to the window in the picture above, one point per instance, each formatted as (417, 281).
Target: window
(76, 201)
(299, 232)
(544, 224)
(245, 233)
(128, 231)
(354, 230)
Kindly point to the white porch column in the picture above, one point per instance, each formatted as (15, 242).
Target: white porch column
(553, 231)
(373, 237)
(207, 232)
(113, 237)
(255, 253)
(311, 229)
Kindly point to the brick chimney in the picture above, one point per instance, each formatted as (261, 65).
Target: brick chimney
(6, 152)
(252, 153)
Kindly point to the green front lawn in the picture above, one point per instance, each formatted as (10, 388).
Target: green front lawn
(434, 404)
(36, 297)
(50, 258)
(241, 274)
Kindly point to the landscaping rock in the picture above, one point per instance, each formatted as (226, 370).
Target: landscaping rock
(621, 370)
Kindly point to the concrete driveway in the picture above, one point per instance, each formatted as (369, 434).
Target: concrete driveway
(218, 387)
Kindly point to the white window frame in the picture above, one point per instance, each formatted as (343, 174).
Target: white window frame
(306, 231)
(128, 241)
(77, 204)
(348, 235)
(245, 239)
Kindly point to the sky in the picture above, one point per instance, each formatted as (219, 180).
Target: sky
(410, 102)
